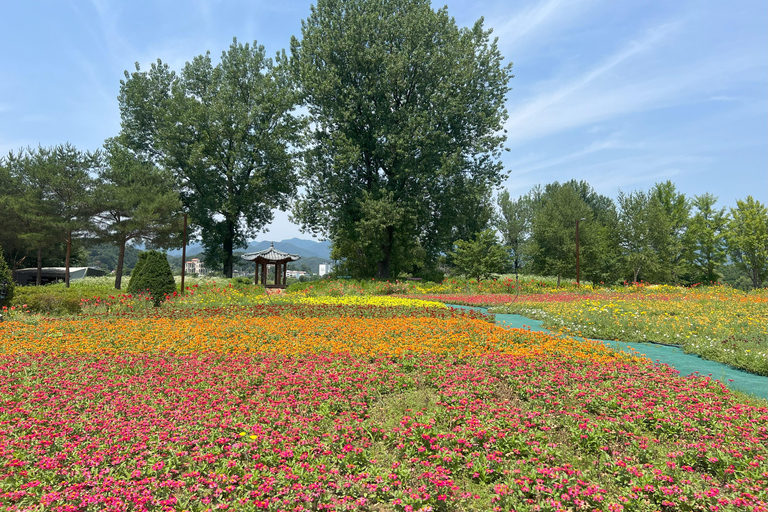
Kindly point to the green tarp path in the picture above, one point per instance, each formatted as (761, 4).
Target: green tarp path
(684, 363)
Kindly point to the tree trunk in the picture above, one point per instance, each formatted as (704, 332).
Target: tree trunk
(637, 271)
(39, 278)
(384, 264)
(66, 260)
(558, 279)
(229, 239)
(120, 260)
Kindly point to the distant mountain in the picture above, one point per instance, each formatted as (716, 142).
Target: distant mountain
(322, 249)
(304, 248)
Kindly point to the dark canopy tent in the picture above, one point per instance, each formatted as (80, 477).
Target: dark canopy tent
(267, 257)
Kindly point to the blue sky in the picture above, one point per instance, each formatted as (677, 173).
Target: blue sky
(620, 94)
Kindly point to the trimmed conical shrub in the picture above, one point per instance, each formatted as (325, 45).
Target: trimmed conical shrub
(152, 275)
(6, 276)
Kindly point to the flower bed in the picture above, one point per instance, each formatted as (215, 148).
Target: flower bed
(719, 324)
(228, 410)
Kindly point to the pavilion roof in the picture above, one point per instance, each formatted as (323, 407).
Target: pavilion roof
(270, 255)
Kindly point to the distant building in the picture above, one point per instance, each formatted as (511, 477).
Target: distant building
(296, 273)
(325, 268)
(195, 266)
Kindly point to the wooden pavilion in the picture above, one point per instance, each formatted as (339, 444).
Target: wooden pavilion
(273, 257)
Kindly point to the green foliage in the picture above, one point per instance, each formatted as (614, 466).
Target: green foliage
(52, 299)
(747, 238)
(140, 262)
(105, 257)
(408, 110)
(513, 220)
(6, 277)
(481, 257)
(137, 203)
(706, 239)
(736, 277)
(52, 197)
(152, 275)
(669, 218)
(635, 227)
(553, 239)
(226, 132)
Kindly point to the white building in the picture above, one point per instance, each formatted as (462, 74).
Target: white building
(195, 266)
(296, 273)
(325, 268)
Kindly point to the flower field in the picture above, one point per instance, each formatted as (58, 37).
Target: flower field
(719, 324)
(376, 404)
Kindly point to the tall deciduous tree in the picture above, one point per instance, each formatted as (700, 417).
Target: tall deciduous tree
(748, 239)
(137, 202)
(635, 228)
(669, 223)
(706, 238)
(408, 110)
(227, 132)
(513, 221)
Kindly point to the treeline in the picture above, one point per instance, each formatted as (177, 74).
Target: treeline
(656, 236)
(386, 140)
(55, 201)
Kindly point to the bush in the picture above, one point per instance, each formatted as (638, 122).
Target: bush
(50, 300)
(152, 275)
(6, 275)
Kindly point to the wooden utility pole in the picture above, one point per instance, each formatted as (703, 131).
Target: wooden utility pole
(184, 255)
(577, 251)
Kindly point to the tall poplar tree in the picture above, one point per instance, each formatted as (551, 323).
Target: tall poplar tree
(748, 239)
(670, 215)
(706, 238)
(513, 220)
(635, 230)
(407, 111)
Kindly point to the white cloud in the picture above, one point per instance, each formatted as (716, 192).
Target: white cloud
(595, 147)
(537, 22)
(579, 102)
(632, 80)
(527, 20)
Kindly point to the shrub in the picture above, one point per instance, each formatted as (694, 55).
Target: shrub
(152, 275)
(6, 275)
(50, 300)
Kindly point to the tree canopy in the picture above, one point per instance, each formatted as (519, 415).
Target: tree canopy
(407, 110)
(481, 257)
(226, 131)
(748, 239)
(137, 202)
